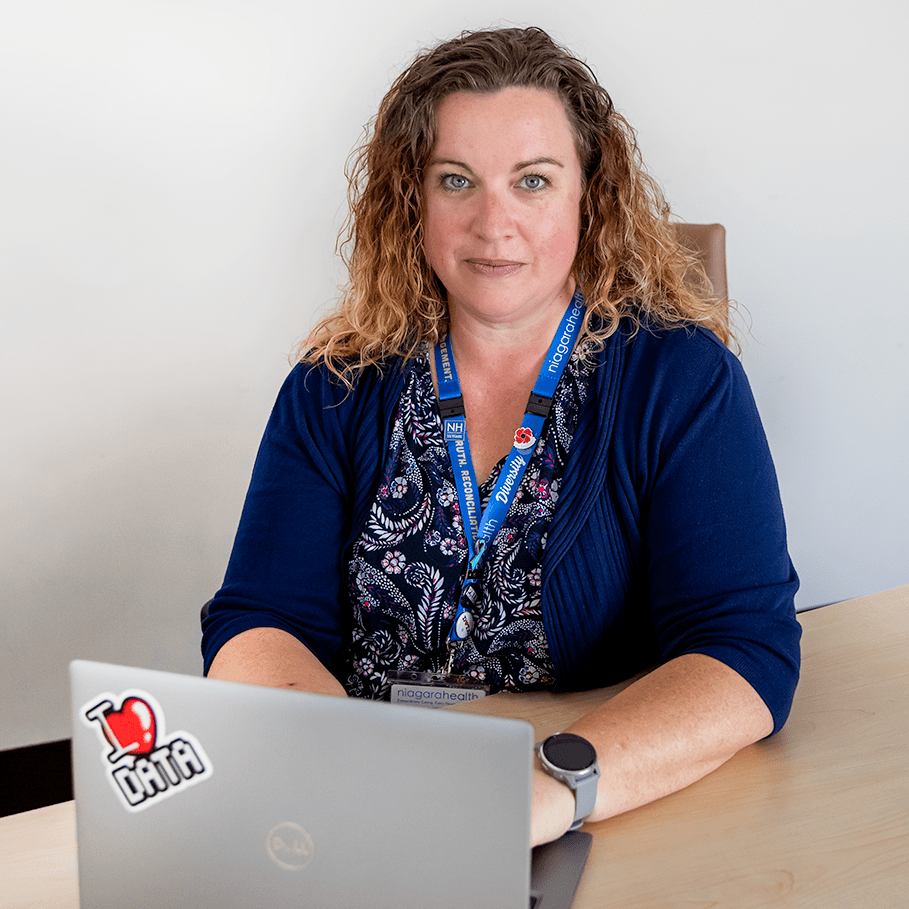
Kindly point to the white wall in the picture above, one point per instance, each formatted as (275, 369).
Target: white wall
(170, 191)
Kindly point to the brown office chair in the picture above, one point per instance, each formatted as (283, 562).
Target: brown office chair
(708, 243)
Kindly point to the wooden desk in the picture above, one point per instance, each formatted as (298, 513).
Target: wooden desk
(817, 816)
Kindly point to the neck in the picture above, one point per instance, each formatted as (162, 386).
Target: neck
(520, 344)
(498, 365)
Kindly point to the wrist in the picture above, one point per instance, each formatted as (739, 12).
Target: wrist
(571, 760)
(553, 807)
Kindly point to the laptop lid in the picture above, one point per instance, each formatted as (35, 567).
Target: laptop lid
(196, 792)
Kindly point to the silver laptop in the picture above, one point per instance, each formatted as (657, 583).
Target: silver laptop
(196, 793)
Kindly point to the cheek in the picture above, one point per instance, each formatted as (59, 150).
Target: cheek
(562, 233)
(436, 231)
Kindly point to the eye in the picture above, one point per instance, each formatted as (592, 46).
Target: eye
(454, 182)
(533, 182)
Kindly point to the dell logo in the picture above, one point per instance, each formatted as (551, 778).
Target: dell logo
(289, 846)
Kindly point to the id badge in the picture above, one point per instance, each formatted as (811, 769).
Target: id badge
(434, 689)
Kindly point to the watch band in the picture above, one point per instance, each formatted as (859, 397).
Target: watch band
(582, 780)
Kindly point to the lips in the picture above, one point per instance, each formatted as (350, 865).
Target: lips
(494, 268)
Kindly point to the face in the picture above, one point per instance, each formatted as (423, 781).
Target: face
(502, 195)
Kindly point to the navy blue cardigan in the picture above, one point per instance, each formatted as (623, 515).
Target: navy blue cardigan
(668, 537)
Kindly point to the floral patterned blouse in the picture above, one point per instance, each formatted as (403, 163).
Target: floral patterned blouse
(406, 566)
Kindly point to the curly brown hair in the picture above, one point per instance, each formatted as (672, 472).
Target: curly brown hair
(629, 262)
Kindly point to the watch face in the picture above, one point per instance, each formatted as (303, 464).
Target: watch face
(569, 752)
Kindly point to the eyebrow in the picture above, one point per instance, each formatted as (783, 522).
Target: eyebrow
(524, 164)
(536, 161)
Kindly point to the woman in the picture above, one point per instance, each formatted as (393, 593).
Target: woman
(502, 230)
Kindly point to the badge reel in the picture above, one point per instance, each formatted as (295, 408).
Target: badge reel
(439, 689)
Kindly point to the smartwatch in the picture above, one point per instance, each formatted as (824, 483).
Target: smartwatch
(573, 761)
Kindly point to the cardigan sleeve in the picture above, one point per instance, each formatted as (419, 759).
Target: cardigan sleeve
(285, 569)
(720, 579)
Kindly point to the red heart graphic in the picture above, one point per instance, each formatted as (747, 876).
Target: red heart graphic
(133, 727)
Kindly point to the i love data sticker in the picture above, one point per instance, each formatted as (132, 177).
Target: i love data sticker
(143, 764)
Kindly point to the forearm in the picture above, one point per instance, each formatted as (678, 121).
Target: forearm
(269, 656)
(662, 733)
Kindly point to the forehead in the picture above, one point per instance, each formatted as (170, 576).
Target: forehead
(528, 119)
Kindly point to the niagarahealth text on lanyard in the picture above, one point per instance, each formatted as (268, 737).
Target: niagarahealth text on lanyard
(483, 528)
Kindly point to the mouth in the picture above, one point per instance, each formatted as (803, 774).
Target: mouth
(493, 268)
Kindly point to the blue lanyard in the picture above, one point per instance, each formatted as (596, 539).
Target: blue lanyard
(483, 528)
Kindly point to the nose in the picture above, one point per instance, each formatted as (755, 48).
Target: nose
(493, 219)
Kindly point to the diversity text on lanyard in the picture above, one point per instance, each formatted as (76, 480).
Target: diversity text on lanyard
(483, 528)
